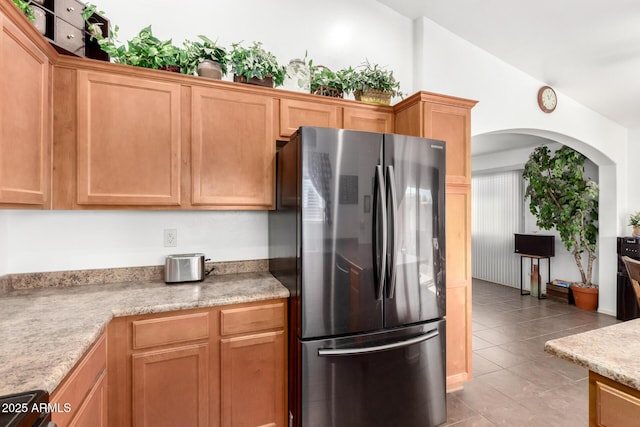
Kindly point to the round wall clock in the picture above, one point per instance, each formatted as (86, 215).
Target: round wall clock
(547, 99)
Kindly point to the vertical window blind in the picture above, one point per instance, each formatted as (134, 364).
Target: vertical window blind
(497, 213)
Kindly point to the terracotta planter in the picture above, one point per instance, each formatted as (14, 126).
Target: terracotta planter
(585, 298)
(266, 82)
(636, 231)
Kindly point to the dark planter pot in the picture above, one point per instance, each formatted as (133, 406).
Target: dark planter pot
(266, 82)
(172, 68)
(585, 298)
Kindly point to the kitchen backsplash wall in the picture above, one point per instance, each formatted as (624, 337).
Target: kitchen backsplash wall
(36, 241)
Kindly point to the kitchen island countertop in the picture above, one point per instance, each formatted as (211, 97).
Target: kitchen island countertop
(612, 351)
(44, 332)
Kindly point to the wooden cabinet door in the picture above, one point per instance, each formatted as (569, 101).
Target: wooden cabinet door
(453, 125)
(253, 376)
(458, 238)
(129, 140)
(171, 387)
(25, 120)
(232, 149)
(93, 411)
(295, 113)
(368, 120)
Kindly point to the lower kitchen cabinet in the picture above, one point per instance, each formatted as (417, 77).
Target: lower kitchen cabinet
(203, 367)
(171, 386)
(82, 396)
(612, 404)
(253, 366)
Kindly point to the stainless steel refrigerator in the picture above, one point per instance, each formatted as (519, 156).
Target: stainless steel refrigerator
(358, 237)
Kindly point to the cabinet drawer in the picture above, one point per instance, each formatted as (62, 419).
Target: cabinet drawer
(70, 11)
(250, 319)
(69, 37)
(77, 385)
(170, 330)
(615, 407)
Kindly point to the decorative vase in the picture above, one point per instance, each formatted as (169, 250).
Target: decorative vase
(533, 281)
(373, 96)
(636, 231)
(40, 19)
(209, 68)
(585, 298)
(267, 81)
(298, 77)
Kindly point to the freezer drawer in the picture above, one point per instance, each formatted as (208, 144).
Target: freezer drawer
(391, 378)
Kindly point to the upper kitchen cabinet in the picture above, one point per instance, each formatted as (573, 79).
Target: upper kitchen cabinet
(25, 113)
(305, 112)
(118, 138)
(442, 117)
(368, 118)
(232, 148)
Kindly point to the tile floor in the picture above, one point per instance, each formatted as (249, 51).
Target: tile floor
(515, 383)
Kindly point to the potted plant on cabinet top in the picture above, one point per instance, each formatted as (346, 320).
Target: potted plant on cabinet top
(255, 65)
(562, 197)
(372, 83)
(206, 57)
(327, 83)
(25, 8)
(145, 50)
(634, 221)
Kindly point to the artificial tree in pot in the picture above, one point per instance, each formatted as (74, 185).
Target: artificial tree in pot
(562, 197)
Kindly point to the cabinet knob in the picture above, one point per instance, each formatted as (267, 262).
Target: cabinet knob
(70, 9)
(70, 36)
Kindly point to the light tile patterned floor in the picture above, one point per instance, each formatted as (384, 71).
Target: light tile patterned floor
(515, 383)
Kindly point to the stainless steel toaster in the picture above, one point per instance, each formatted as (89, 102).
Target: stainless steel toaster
(184, 268)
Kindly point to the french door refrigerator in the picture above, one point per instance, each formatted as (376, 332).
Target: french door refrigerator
(358, 238)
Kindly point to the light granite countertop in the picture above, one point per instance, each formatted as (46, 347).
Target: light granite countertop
(612, 351)
(44, 332)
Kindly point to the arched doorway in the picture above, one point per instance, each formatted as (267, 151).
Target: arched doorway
(492, 147)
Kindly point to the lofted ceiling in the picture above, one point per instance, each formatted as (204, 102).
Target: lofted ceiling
(588, 50)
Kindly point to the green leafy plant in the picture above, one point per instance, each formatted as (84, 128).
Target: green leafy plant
(93, 26)
(255, 61)
(372, 76)
(322, 77)
(144, 50)
(25, 8)
(205, 49)
(634, 220)
(562, 197)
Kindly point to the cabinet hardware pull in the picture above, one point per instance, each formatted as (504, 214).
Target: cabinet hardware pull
(70, 9)
(70, 36)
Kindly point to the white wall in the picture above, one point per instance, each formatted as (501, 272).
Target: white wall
(334, 33)
(64, 240)
(508, 103)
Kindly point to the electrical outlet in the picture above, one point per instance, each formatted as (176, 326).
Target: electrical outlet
(170, 238)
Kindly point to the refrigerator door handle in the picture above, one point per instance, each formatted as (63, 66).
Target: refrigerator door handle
(376, 348)
(393, 209)
(381, 269)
